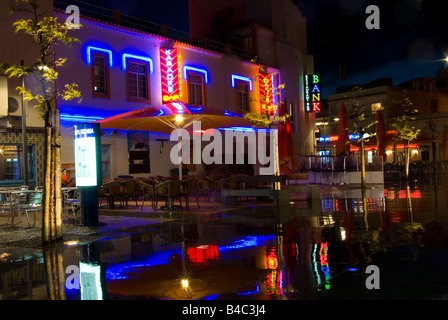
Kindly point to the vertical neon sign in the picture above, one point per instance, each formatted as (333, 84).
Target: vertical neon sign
(169, 68)
(312, 92)
(266, 91)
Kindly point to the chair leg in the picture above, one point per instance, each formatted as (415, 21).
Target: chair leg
(143, 201)
(27, 218)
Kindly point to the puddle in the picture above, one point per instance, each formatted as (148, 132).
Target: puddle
(313, 250)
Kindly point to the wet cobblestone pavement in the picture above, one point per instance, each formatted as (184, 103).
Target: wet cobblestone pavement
(312, 250)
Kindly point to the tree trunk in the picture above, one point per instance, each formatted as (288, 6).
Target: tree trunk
(57, 182)
(52, 208)
(47, 188)
(54, 267)
(406, 160)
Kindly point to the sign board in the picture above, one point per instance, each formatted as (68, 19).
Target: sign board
(88, 155)
(170, 71)
(312, 90)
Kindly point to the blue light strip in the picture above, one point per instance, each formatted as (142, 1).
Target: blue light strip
(242, 129)
(132, 56)
(233, 114)
(194, 109)
(237, 77)
(78, 117)
(189, 68)
(89, 54)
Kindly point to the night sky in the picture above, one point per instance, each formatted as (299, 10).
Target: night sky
(409, 44)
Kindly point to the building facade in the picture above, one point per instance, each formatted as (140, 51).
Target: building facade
(120, 68)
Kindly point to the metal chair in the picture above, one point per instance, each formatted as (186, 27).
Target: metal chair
(148, 189)
(130, 190)
(169, 190)
(6, 204)
(34, 203)
(112, 191)
(72, 199)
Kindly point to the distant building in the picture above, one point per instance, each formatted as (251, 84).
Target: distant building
(273, 32)
(427, 97)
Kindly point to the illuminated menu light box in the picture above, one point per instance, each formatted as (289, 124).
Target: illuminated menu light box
(87, 155)
(312, 89)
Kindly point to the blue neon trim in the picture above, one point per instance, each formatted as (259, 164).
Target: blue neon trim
(133, 56)
(233, 114)
(242, 129)
(161, 113)
(78, 117)
(189, 68)
(89, 55)
(237, 77)
(194, 109)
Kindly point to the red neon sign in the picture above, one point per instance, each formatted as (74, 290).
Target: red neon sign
(266, 92)
(169, 69)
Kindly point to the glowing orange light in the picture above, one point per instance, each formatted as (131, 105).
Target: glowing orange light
(266, 92)
(271, 259)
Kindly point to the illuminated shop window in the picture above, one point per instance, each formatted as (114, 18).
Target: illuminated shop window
(100, 75)
(11, 162)
(137, 79)
(195, 88)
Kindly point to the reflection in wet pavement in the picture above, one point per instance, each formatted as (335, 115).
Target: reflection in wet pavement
(312, 250)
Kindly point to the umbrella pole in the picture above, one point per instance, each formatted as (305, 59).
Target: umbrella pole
(179, 139)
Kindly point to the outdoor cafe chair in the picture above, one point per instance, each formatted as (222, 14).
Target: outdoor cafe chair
(130, 190)
(148, 190)
(6, 205)
(223, 184)
(34, 204)
(189, 187)
(72, 199)
(168, 190)
(206, 187)
(112, 192)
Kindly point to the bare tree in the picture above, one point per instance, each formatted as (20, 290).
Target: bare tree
(360, 126)
(406, 131)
